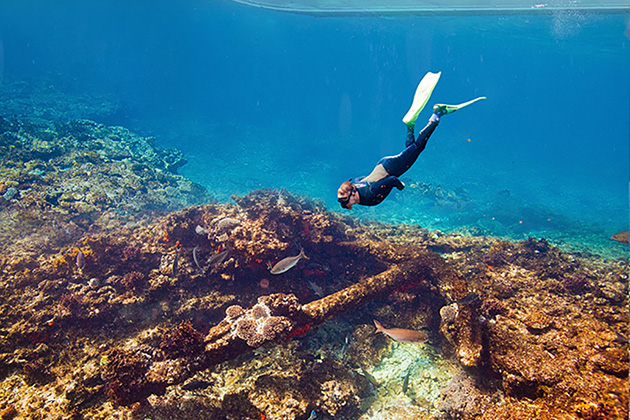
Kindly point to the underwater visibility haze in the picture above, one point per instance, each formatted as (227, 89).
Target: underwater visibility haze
(159, 157)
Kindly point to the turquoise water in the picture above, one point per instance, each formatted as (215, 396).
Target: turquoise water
(257, 98)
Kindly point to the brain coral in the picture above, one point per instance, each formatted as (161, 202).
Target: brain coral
(259, 310)
(245, 329)
(234, 312)
(271, 327)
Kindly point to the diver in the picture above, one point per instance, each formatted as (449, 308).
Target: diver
(373, 189)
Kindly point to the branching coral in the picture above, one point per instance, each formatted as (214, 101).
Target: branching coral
(36, 372)
(131, 252)
(493, 307)
(256, 325)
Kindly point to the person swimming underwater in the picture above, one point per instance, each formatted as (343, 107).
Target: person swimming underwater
(373, 189)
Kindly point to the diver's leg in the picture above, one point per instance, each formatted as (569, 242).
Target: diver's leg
(399, 164)
(410, 136)
(423, 136)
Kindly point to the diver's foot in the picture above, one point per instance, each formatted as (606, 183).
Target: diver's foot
(441, 109)
(420, 98)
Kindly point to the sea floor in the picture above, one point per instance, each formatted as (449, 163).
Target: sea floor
(412, 379)
(119, 299)
(433, 204)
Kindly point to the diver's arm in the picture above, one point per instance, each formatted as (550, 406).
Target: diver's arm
(377, 191)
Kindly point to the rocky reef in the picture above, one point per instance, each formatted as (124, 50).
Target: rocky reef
(154, 305)
(59, 181)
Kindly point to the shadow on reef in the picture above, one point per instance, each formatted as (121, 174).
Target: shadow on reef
(150, 314)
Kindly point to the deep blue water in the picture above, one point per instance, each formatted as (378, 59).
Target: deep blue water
(258, 98)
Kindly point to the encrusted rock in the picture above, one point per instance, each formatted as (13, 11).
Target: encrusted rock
(462, 398)
(462, 328)
(537, 320)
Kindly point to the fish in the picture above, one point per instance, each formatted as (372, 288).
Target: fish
(405, 384)
(196, 260)
(195, 385)
(217, 259)
(175, 262)
(287, 263)
(468, 299)
(344, 348)
(316, 289)
(80, 259)
(402, 335)
(313, 415)
(621, 237)
(371, 379)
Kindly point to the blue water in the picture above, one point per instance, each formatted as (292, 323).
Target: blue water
(257, 98)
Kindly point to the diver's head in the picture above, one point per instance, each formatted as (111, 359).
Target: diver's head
(347, 195)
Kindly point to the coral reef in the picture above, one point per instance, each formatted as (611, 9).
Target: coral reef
(124, 370)
(141, 313)
(461, 327)
(41, 99)
(59, 181)
(182, 341)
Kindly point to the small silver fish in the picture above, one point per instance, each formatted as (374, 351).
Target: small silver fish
(402, 335)
(175, 263)
(344, 348)
(371, 379)
(316, 289)
(405, 384)
(217, 259)
(196, 260)
(468, 299)
(287, 263)
(196, 385)
(80, 259)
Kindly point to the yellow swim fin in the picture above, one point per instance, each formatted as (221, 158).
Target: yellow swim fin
(443, 109)
(420, 99)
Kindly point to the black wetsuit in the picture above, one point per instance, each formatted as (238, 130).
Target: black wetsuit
(373, 193)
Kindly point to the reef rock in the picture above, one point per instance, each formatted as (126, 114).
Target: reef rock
(144, 320)
(462, 328)
(59, 181)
